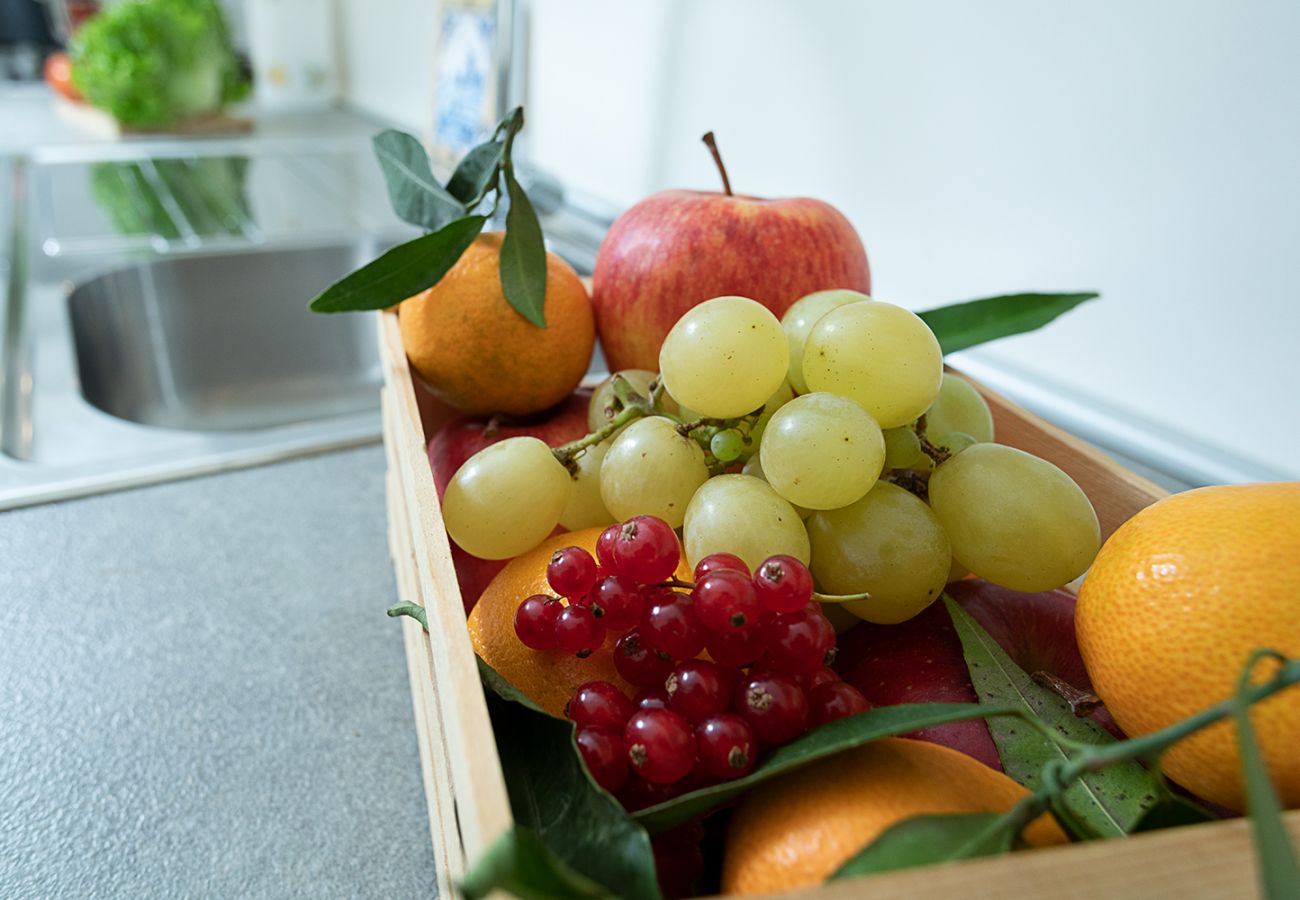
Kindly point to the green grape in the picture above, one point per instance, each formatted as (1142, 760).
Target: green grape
(1014, 519)
(902, 448)
(727, 445)
(959, 407)
(742, 515)
(881, 355)
(506, 498)
(800, 318)
(754, 466)
(822, 451)
(954, 442)
(586, 508)
(651, 469)
(888, 544)
(725, 357)
(780, 397)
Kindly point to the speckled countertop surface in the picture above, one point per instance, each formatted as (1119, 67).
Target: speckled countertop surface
(200, 695)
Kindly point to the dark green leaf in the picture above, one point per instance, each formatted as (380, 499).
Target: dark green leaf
(416, 195)
(552, 794)
(477, 173)
(415, 611)
(963, 325)
(403, 271)
(523, 256)
(926, 840)
(1172, 811)
(520, 864)
(1107, 803)
(884, 721)
(1279, 873)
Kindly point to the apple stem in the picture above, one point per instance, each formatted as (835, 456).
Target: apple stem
(1082, 703)
(717, 159)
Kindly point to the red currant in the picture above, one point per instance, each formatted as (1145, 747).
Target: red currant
(605, 549)
(535, 621)
(737, 648)
(783, 584)
(602, 751)
(647, 549)
(571, 572)
(637, 793)
(799, 643)
(619, 599)
(774, 705)
(698, 689)
(715, 561)
(578, 631)
(832, 700)
(599, 704)
(821, 676)
(638, 664)
(725, 601)
(651, 698)
(670, 625)
(660, 745)
(726, 746)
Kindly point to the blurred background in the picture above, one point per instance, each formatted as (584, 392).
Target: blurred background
(1146, 151)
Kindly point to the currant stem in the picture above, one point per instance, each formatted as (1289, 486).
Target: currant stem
(717, 159)
(839, 598)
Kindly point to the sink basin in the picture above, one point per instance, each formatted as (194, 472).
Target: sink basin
(224, 342)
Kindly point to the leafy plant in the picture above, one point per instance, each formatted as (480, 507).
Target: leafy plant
(150, 63)
(451, 215)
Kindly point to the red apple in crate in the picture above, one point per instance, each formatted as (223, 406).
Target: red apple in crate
(461, 437)
(921, 661)
(677, 249)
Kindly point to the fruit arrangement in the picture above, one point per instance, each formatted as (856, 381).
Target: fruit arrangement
(770, 605)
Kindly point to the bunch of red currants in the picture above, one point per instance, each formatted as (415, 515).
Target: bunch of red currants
(694, 721)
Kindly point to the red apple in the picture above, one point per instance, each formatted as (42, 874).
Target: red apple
(677, 249)
(921, 661)
(461, 437)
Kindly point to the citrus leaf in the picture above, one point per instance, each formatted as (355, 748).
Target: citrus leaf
(962, 325)
(403, 271)
(415, 194)
(1279, 873)
(930, 839)
(1172, 811)
(841, 734)
(519, 863)
(552, 794)
(523, 256)
(1106, 803)
(476, 173)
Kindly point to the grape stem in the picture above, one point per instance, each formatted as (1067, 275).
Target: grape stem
(839, 598)
(935, 452)
(568, 453)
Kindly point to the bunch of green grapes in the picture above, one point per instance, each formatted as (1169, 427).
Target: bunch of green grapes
(832, 435)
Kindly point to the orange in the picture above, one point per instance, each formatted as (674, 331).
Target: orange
(547, 677)
(1172, 607)
(475, 352)
(797, 829)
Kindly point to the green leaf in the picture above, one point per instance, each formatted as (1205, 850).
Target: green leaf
(1279, 873)
(521, 864)
(1106, 803)
(477, 173)
(841, 734)
(552, 794)
(1172, 811)
(416, 195)
(403, 271)
(415, 611)
(963, 325)
(523, 256)
(930, 839)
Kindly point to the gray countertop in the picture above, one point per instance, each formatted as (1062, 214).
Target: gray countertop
(200, 695)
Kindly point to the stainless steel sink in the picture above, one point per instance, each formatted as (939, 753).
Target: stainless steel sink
(224, 342)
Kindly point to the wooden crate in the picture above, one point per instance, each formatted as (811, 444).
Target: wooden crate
(465, 788)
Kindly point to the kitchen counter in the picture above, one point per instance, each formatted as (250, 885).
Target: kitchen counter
(201, 695)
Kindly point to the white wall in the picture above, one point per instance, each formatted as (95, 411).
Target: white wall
(1147, 150)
